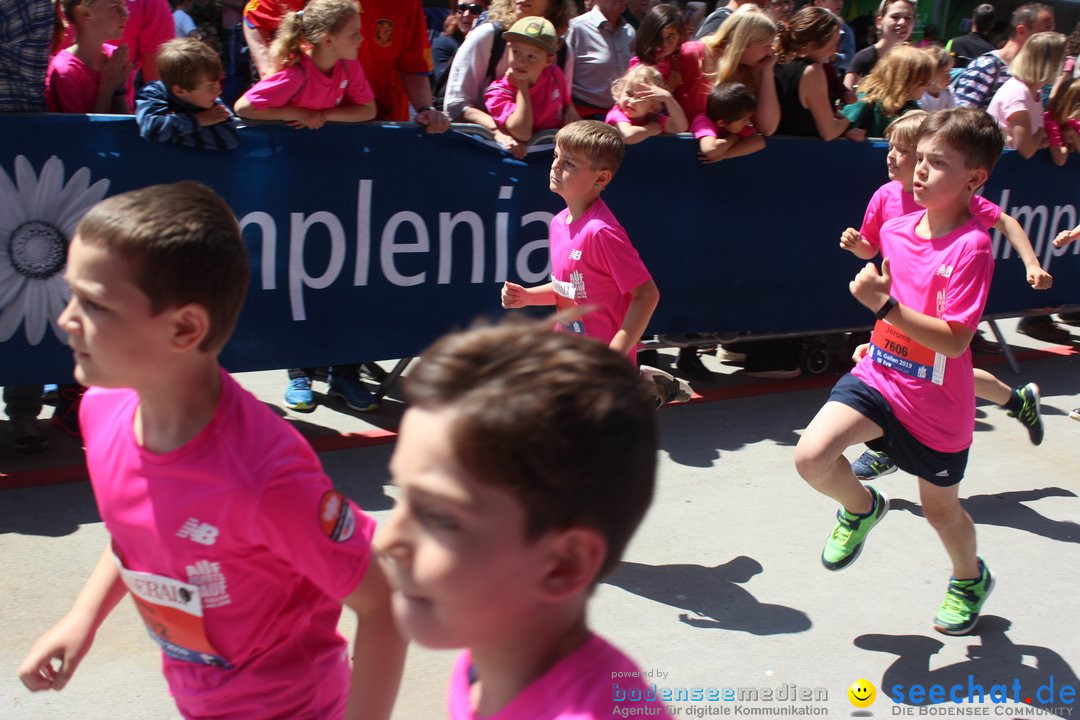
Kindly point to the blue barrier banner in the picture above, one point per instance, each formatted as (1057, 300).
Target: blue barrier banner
(368, 242)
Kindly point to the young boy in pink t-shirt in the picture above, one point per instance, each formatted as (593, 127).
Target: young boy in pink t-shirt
(593, 264)
(592, 260)
(724, 130)
(524, 464)
(896, 198)
(532, 95)
(235, 548)
(91, 76)
(912, 391)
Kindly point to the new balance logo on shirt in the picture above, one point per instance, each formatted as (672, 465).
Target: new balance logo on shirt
(202, 533)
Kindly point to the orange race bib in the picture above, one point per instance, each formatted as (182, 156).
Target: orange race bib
(172, 611)
(891, 348)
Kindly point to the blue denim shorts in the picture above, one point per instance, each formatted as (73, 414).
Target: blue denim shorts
(937, 468)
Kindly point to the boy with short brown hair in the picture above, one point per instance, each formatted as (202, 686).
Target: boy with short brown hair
(184, 106)
(233, 544)
(912, 392)
(525, 462)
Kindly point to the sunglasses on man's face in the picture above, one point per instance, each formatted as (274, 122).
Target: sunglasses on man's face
(470, 8)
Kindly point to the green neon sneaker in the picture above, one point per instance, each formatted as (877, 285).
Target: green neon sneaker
(846, 541)
(1028, 415)
(963, 601)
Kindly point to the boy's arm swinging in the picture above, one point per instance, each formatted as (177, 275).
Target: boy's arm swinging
(71, 638)
(872, 288)
(645, 298)
(378, 649)
(1037, 278)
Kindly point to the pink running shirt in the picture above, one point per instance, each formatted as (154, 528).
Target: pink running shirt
(593, 263)
(581, 686)
(947, 278)
(303, 85)
(71, 86)
(890, 201)
(705, 126)
(243, 522)
(549, 96)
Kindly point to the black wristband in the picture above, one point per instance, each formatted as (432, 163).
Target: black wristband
(886, 308)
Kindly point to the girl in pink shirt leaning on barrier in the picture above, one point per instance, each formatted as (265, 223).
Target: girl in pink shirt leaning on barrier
(319, 78)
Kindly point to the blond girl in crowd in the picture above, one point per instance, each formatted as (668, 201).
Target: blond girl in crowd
(1017, 105)
(891, 89)
(643, 106)
(1062, 122)
(939, 95)
(317, 77)
(741, 50)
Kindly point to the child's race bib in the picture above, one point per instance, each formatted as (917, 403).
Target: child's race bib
(563, 289)
(893, 349)
(172, 612)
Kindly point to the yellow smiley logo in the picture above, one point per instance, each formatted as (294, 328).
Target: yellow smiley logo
(862, 693)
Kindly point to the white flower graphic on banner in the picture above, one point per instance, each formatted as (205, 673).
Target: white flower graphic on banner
(37, 219)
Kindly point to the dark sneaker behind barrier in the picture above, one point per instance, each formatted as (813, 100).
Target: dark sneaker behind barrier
(846, 541)
(26, 435)
(964, 599)
(298, 396)
(1029, 414)
(347, 386)
(872, 464)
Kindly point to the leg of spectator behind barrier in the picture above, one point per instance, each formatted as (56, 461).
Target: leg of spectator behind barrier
(1005, 349)
(391, 377)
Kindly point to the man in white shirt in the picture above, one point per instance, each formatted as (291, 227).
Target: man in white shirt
(599, 43)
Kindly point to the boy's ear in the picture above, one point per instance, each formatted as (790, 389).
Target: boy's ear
(575, 559)
(978, 178)
(603, 179)
(191, 325)
(551, 59)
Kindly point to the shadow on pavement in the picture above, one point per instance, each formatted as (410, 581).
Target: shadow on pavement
(713, 594)
(996, 661)
(1007, 509)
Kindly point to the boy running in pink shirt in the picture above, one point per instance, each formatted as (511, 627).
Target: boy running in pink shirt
(896, 198)
(593, 264)
(912, 392)
(236, 550)
(592, 260)
(524, 464)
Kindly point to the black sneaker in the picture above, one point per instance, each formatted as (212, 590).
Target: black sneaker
(26, 435)
(689, 364)
(1029, 415)
(1042, 327)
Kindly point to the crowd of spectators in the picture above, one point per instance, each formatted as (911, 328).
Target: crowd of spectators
(733, 76)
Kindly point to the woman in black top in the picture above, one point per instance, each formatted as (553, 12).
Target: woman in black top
(805, 45)
(895, 19)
